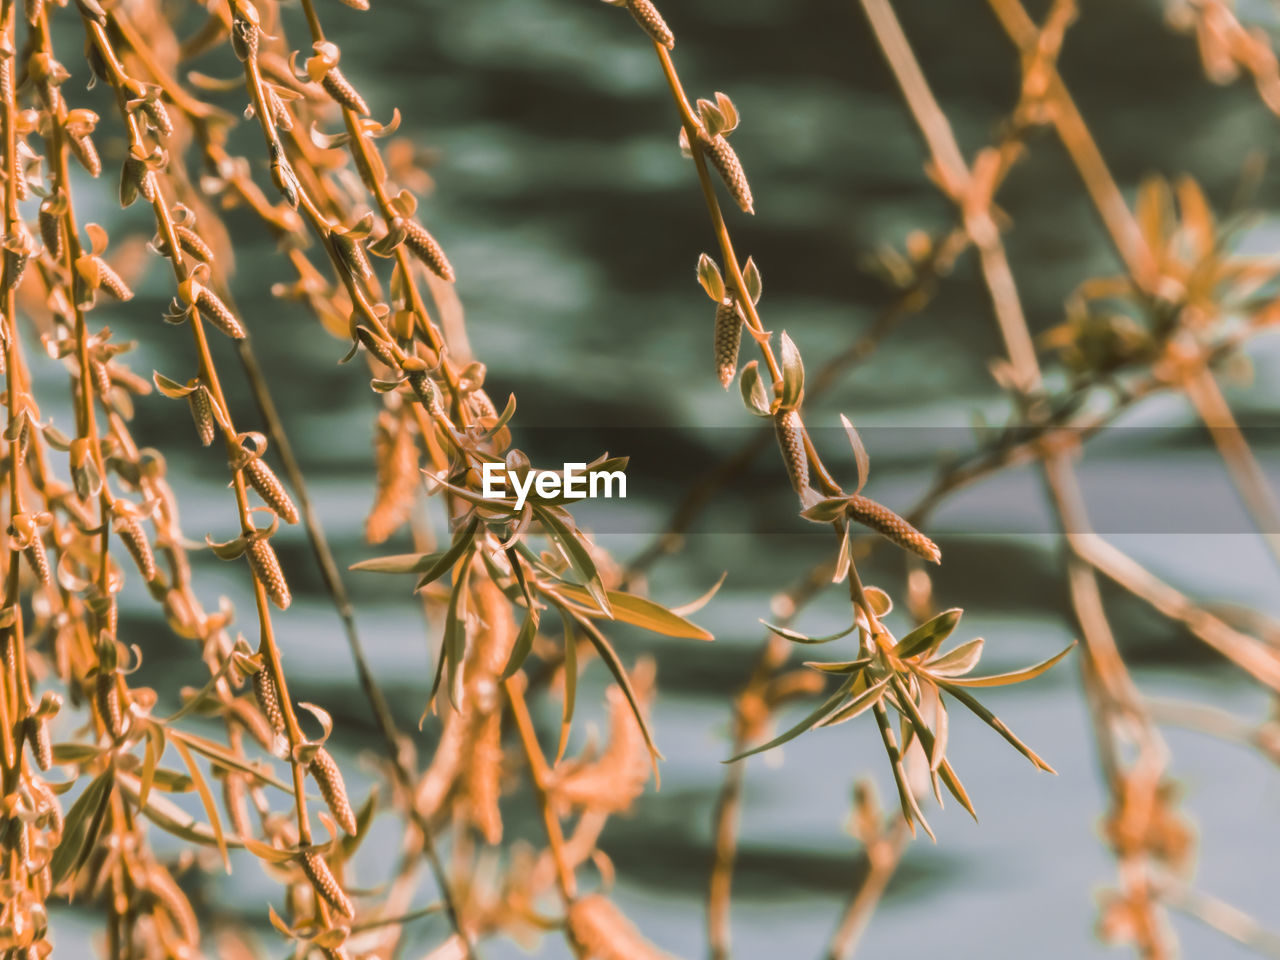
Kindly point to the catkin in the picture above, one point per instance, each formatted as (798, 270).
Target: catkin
(266, 567)
(892, 527)
(36, 729)
(135, 541)
(216, 312)
(725, 160)
(51, 231)
(158, 114)
(244, 38)
(201, 404)
(194, 244)
(351, 253)
(427, 249)
(38, 560)
(268, 486)
(603, 932)
(107, 695)
(86, 153)
(324, 770)
(112, 282)
(647, 15)
(317, 871)
(790, 431)
(728, 338)
(101, 378)
(340, 88)
(376, 347)
(264, 690)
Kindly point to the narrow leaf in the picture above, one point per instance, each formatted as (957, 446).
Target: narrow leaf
(832, 702)
(81, 827)
(1017, 676)
(206, 798)
(929, 635)
(635, 610)
(795, 637)
(577, 555)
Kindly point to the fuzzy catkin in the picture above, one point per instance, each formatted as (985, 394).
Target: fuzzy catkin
(84, 150)
(326, 885)
(201, 404)
(135, 541)
(266, 567)
(36, 729)
(427, 249)
(107, 695)
(112, 282)
(194, 244)
(728, 338)
(647, 15)
(268, 486)
(264, 691)
(790, 431)
(158, 114)
(324, 770)
(892, 527)
(725, 160)
(216, 312)
(340, 88)
(38, 560)
(51, 231)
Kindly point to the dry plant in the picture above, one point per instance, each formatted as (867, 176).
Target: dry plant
(518, 597)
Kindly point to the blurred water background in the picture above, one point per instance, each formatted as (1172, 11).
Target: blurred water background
(574, 226)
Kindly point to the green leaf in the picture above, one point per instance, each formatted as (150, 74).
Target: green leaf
(523, 644)
(81, 827)
(610, 658)
(754, 393)
(792, 373)
(911, 811)
(859, 704)
(859, 453)
(170, 817)
(461, 541)
(222, 757)
(508, 412)
(1017, 676)
(845, 666)
(206, 798)
(635, 610)
(956, 788)
(751, 280)
(577, 555)
(927, 636)
(832, 702)
(709, 277)
(400, 563)
(958, 661)
(825, 511)
(795, 637)
(454, 643)
(994, 722)
(570, 684)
